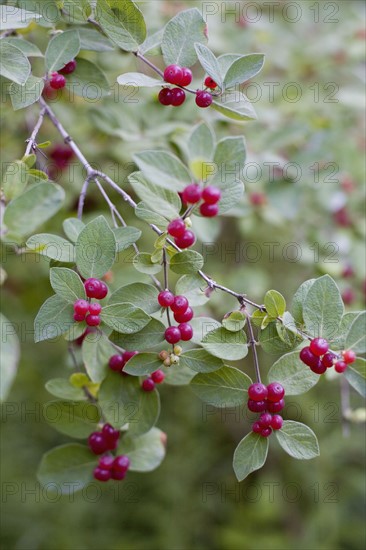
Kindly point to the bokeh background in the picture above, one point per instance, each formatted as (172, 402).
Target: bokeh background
(309, 100)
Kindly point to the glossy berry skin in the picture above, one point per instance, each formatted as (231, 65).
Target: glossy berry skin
(319, 346)
(180, 304)
(275, 407)
(102, 292)
(121, 463)
(275, 392)
(106, 462)
(257, 392)
(211, 194)
(158, 376)
(186, 240)
(127, 355)
(349, 356)
(165, 298)
(203, 99)
(97, 443)
(173, 74)
(81, 307)
(265, 420)
(256, 428)
(186, 331)
(110, 435)
(116, 362)
(92, 287)
(187, 77)
(276, 422)
(68, 68)
(95, 309)
(256, 406)
(178, 97)
(176, 228)
(319, 368)
(148, 384)
(327, 360)
(92, 320)
(266, 432)
(118, 476)
(101, 474)
(184, 317)
(172, 335)
(165, 96)
(78, 317)
(57, 81)
(210, 83)
(340, 366)
(192, 193)
(308, 357)
(209, 210)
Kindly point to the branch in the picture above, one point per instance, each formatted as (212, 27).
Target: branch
(31, 141)
(253, 344)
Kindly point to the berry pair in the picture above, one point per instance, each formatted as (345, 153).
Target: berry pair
(263, 398)
(157, 377)
(103, 441)
(210, 195)
(183, 237)
(85, 311)
(266, 423)
(182, 314)
(57, 80)
(95, 288)
(319, 359)
(110, 467)
(118, 361)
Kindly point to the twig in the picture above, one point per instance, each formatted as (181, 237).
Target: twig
(253, 344)
(31, 141)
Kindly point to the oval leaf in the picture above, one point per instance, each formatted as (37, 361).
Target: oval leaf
(187, 261)
(199, 360)
(146, 452)
(67, 284)
(356, 337)
(73, 419)
(294, 376)
(124, 317)
(250, 455)
(180, 35)
(298, 440)
(95, 249)
(61, 49)
(222, 343)
(323, 308)
(225, 387)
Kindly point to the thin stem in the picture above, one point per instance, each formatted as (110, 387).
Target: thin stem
(253, 344)
(166, 282)
(147, 62)
(31, 141)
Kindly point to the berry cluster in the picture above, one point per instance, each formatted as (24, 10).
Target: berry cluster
(103, 441)
(57, 80)
(182, 76)
(210, 195)
(118, 361)
(86, 311)
(266, 400)
(319, 359)
(110, 467)
(182, 314)
(183, 237)
(156, 377)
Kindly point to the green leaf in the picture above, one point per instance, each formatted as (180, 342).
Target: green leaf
(28, 48)
(298, 440)
(87, 81)
(144, 212)
(27, 94)
(15, 18)
(180, 35)
(225, 387)
(356, 337)
(122, 22)
(73, 419)
(227, 345)
(138, 80)
(193, 288)
(178, 375)
(199, 360)
(61, 49)
(15, 179)
(339, 340)
(14, 65)
(226, 60)
(143, 363)
(146, 452)
(273, 344)
(31, 209)
(151, 44)
(67, 284)
(201, 143)
(30, 160)
(235, 321)
(149, 337)
(140, 295)
(125, 237)
(294, 376)
(161, 200)
(52, 246)
(93, 40)
(72, 228)
(142, 262)
(124, 317)
(67, 468)
(95, 249)
(275, 303)
(356, 376)
(231, 195)
(53, 319)
(299, 299)
(9, 355)
(187, 261)
(59, 387)
(163, 169)
(124, 401)
(234, 105)
(323, 308)
(243, 69)
(202, 326)
(250, 455)
(96, 352)
(229, 160)
(209, 63)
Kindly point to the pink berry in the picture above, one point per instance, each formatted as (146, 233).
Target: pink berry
(158, 376)
(121, 463)
(165, 96)
(177, 227)
(172, 335)
(95, 309)
(68, 68)
(319, 367)
(178, 97)
(184, 317)
(340, 366)
(78, 317)
(257, 199)
(203, 99)
(328, 360)
(275, 407)
(319, 346)
(165, 298)
(111, 435)
(118, 476)
(186, 240)
(102, 292)
(97, 443)
(186, 331)
(106, 462)
(210, 83)
(257, 392)
(116, 362)
(275, 392)
(308, 357)
(266, 432)
(127, 355)
(148, 384)
(209, 210)
(348, 296)
(101, 475)
(349, 356)
(173, 74)
(276, 422)
(265, 420)
(57, 81)
(211, 194)
(192, 193)
(81, 307)
(92, 320)
(180, 304)
(187, 77)
(92, 287)
(256, 406)
(256, 428)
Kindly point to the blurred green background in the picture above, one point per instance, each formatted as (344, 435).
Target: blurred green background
(314, 55)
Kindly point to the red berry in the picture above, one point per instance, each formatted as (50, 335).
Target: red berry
(187, 77)
(148, 384)
(173, 74)
(256, 428)
(192, 193)
(276, 422)
(165, 96)
(308, 357)
(176, 228)
(97, 443)
(203, 99)
(92, 287)
(211, 194)
(327, 360)
(257, 392)
(184, 317)
(102, 292)
(92, 320)
(101, 475)
(116, 362)
(57, 81)
(348, 271)
(210, 83)
(81, 307)
(78, 317)
(186, 331)
(348, 296)
(127, 355)
(95, 309)
(275, 407)
(111, 435)
(172, 335)
(158, 376)
(266, 432)
(265, 420)
(319, 367)
(178, 97)
(180, 304)
(68, 68)
(340, 366)
(186, 240)
(121, 463)
(257, 199)
(319, 346)
(256, 406)
(106, 462)
(349, 356)
(118, 475)
(275, 392)
(165, 298)
(209, 210)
